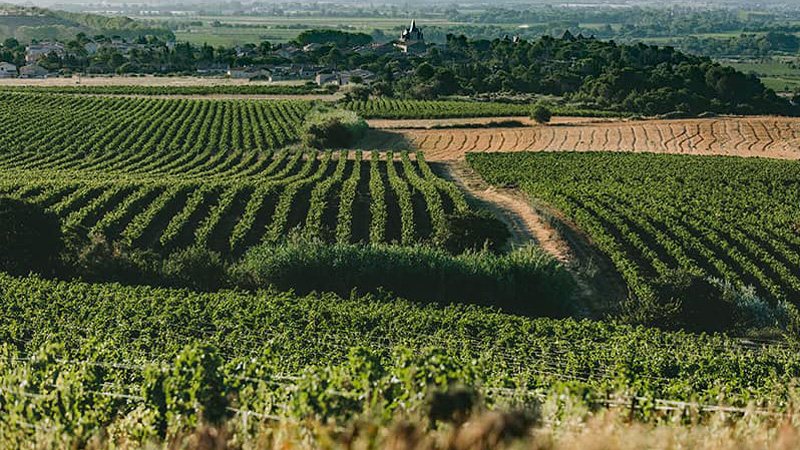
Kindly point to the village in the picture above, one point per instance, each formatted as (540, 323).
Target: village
(286, 59)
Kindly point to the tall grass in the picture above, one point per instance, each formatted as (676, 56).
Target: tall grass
(525, 281)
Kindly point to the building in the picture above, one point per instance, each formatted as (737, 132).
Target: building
(412, 34)
(345, 77)
(8, 70)
(35, 51)
(412, 40)
(91, 48)
(32, 71)
(247, 72)
(327, 78)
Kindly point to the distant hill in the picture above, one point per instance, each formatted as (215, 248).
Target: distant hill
(28, 23)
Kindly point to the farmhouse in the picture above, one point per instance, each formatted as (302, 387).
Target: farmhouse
(32, 71)
(247, 72)
(35, 51)
(7, 70)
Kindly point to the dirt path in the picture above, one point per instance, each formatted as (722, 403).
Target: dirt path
(512, 208)
(532, 222)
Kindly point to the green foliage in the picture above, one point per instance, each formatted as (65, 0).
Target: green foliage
(655, 216)
(525, 281)
(324, 357)
(541, 113)
(30, 238)
(195, 268)
(333, 37)
(324, 129)
(194, 388)
(475, 230)
(384, 108)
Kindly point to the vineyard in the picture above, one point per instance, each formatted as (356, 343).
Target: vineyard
(280, 357)
(772, 137)
(440, 109)
(228, 203)
(733, 219)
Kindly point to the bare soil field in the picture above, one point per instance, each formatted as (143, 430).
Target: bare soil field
(773, 137)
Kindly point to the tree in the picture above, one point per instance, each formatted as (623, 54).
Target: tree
(541, 114)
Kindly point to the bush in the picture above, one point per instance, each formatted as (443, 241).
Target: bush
(684, 301)
(475, 230)
(525, 281)
(325, 129)
(195, 268)
(95, 259)
(30, 238)
(541, 114)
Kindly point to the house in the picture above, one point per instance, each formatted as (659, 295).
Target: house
(312, 47)
(35, 51)
(327, 78)
(247, 72)
(357, 76)
(33, 71)
(7, 70)
(345, 77)
(91, 48)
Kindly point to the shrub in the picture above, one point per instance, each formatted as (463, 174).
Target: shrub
(541, 114)
(525, 281)
(195, 268)
(324, 129)
(474, 230)
(30, 238)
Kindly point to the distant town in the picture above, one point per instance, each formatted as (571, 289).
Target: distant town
(283, 62)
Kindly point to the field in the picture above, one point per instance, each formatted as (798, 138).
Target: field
(207, 173)
(728, 218)
(773, 137)
(773, 73)
(428, 109)
(270, 294)
(253, 360)
(239, 30)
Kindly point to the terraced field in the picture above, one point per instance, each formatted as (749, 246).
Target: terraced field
(773, 137)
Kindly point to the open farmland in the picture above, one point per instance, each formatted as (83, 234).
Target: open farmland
(772, 137)
(732, 219)
(208, 173)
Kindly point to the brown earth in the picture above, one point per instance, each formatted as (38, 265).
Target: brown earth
(765, 136)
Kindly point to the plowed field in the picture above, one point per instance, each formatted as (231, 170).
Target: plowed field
(774, 137)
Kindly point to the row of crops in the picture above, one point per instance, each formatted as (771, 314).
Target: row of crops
(723, 217)
(383, 198)
(253, 89)
(123, 134)
(279, 355)
(385, 108)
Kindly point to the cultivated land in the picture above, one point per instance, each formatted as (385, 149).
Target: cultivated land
(771, 137)
(159, 175)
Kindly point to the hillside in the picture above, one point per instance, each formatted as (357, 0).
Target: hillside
(28, 23)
